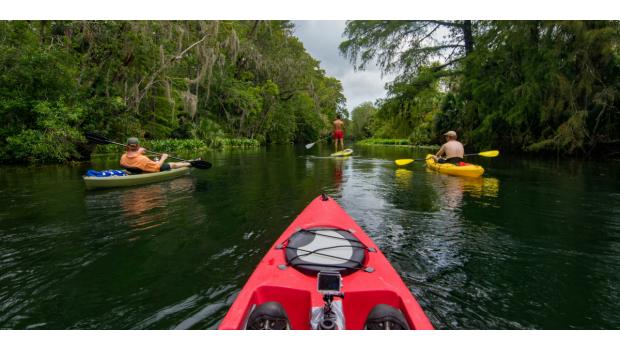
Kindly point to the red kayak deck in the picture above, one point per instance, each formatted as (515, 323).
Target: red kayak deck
(274, 280)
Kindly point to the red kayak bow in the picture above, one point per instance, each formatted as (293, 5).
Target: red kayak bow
(324, 272)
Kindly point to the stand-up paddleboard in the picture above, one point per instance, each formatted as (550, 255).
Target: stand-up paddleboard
(345, 152)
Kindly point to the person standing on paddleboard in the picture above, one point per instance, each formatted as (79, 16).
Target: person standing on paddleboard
(338, 134)
(452, 151)
(134, 160)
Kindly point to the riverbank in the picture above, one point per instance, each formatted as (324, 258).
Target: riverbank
(393, 142)
(186, 145)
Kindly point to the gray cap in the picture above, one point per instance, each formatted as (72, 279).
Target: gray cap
(450, 133)
(133, 141)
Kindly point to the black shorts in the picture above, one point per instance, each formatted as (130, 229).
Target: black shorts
(164, 167)
(453, 160)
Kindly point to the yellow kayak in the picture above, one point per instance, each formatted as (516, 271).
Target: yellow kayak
(345, 152)
(469, 170)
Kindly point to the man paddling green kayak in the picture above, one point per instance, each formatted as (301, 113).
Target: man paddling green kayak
(151, 170)
(135, 161)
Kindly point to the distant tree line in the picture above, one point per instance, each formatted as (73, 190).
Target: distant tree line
(202, 80)
(530, 86)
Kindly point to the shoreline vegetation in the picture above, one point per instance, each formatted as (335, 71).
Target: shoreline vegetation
(227, 83)
(185, 145)
(549, 88)
(393, 142)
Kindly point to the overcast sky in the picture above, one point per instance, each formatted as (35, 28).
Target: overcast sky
(321, 39)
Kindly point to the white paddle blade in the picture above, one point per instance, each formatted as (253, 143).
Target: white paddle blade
(309, 145)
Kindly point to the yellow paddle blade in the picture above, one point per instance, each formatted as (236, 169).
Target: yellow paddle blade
(403, 162)
(491, 153)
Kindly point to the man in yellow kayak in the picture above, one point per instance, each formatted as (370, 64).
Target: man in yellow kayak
(450, 152)
(134, 160)
(338, 134)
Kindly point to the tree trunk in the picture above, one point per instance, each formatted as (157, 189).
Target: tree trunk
(468, 37)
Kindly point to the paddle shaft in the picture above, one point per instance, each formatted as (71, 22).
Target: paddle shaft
(99, 139)
(312, 144)
(424, 159)
(404, 162)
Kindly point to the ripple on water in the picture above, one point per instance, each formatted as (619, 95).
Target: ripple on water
(518, 248)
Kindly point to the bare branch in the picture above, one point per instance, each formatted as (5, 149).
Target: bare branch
(163, 66)
(441, 67)
(448, 24)
(428, 35)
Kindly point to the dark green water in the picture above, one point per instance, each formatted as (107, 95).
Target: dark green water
(532, 245)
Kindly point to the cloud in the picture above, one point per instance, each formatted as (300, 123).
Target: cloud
(321, 40)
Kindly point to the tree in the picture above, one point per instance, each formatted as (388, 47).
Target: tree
(156, 79)
(422, 53)
(361, 120)
(406, 46)
(543, 86)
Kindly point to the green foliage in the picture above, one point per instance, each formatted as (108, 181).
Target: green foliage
(208, 130)
(163, 145)
(229, 83)
(243, 143)
(185, 145)
(534, 86)
(361, 120)
(395, 142)
(54, 140)
(405, 46)
(379, 141)
(176, 145)
(543, 86)
(409, 110)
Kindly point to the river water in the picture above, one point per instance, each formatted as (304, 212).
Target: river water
(532, 245)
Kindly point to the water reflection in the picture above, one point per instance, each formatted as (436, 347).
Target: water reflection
(338, 162)
(451, 189)
(403, 178)
(481, 187)
(143, 207)
(148, 207)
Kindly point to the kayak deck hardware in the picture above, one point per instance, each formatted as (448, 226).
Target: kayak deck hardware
(318, 249)
(329, 284)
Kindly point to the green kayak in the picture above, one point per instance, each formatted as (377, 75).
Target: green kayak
(130, 180)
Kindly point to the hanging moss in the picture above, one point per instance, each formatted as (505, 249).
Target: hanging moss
(223, 82)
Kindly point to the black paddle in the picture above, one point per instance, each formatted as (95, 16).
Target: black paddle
(101, 140)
